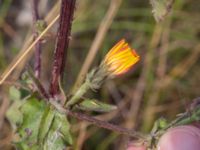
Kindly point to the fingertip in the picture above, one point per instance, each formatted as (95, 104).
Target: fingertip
(180, 138)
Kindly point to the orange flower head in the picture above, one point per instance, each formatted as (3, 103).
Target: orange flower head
(120, 58)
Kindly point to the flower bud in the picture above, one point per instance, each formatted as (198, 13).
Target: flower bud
(120, 59)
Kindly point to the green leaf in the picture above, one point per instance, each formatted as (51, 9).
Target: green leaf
(32, 111)
(159, 124)
(95, 105)
(62, 122)
(23, 146)
(46, 122)
(14, 93)
(162, 123)
(42, 127)
(54, 141)
(20, 145)
(13, 114)
(59, 135)
(161, 8)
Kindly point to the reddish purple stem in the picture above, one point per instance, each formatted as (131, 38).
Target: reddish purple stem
(62, 42)
(105, 125)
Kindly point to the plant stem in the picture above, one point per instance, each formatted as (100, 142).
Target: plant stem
(106, 125)
(37, 65)
(27, 49)
(62, 42)
(23, 54)
(38, 84)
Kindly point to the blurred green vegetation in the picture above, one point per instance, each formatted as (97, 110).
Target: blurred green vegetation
(162, 84)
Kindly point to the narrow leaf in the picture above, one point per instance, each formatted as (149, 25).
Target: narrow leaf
(62, 122)
(45, 124)
(95, 105)
(54, 141)
(59, 135)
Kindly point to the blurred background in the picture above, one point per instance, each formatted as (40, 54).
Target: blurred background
(162, 84)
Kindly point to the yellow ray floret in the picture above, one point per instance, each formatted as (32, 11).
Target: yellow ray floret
(120, 58)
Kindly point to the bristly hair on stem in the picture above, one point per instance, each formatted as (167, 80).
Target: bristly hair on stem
(35, 14)
(62, 42)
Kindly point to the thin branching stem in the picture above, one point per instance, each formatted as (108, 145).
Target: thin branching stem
(38, 85)
(106, 125)
(37, 65)
(22, 55)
